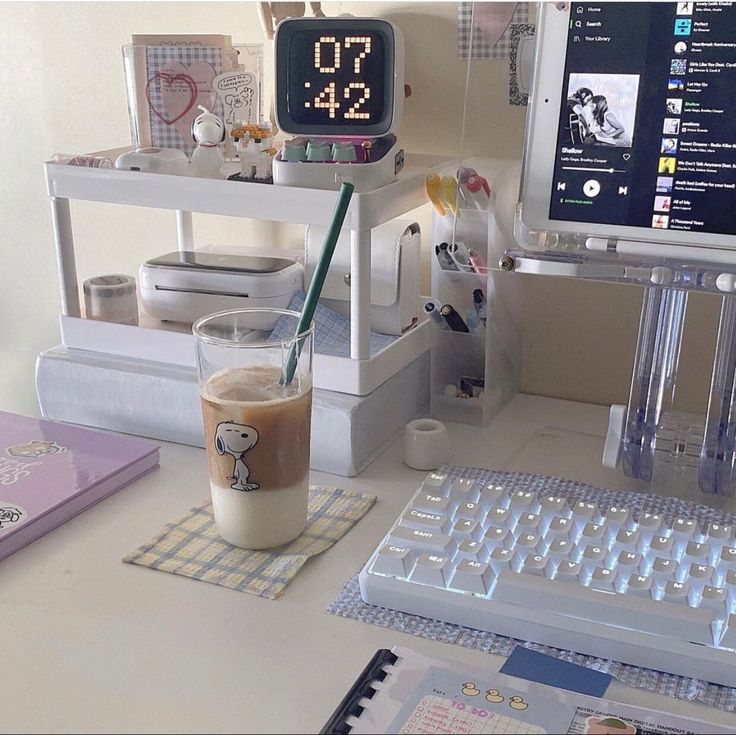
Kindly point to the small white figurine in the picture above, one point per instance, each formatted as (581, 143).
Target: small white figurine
(208, 131)
(255, 148)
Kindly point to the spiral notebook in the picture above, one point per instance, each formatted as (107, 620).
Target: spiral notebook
(403, 691)
(50, 472)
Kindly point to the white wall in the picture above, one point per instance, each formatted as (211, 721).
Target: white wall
(62, 90)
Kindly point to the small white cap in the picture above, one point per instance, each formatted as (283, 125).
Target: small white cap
(426, 444)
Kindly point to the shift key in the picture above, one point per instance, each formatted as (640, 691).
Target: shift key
(417, 538)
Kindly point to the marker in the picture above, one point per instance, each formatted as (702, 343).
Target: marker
(477, 263)
(445, 259)
(449, 193)
(431, 308)
(478, 191)
(453, 319)
(463, 174)
(473, 321)
(481, 305)
(459, 253)
(433, 184)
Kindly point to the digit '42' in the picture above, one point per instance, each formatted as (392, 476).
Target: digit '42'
(357, 92)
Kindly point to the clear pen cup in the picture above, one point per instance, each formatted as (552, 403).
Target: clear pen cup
(256, 428)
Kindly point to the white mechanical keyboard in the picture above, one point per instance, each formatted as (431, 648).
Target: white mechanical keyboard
(605, 582)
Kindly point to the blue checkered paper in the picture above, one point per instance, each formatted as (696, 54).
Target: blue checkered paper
(349, 603)
(191, 547)
(331, 331)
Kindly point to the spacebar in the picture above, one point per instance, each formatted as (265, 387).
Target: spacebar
(667, 619)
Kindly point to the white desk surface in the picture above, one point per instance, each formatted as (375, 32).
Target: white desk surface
(90, 644)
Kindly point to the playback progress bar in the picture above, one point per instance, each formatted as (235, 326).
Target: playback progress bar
(601, 170)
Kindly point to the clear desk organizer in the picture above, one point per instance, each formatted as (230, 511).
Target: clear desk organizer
(482, 365)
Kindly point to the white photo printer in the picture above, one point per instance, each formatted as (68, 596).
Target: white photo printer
(185, 285)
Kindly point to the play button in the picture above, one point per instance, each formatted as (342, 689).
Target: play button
(591, 188)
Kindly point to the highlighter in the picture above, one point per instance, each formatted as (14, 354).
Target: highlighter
(449, 192)
(433, 185)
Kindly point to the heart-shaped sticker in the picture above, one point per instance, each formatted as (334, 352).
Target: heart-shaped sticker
(626, 156)
(176, 95)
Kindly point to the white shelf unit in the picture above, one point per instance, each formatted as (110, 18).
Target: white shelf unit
(359, 375)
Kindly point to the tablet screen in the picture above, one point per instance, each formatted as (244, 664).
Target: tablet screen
(647, 130)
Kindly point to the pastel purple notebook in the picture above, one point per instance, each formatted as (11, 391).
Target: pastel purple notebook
(50, 472)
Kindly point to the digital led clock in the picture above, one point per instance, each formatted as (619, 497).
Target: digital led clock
(339, 76)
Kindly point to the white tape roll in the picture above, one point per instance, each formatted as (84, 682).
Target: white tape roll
(426, 444)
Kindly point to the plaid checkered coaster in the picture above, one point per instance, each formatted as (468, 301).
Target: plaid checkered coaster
(191, 546)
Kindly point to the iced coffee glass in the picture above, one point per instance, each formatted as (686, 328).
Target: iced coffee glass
(256, 427)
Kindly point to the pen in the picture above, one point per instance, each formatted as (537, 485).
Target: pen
(433, 185)
(473, 182)
(481, 305)
(444, 258)
(473, 321)
(476, 192)
(463, 174)
(459, 253)
(453, 319)
(477, 263)
(449, 193)
(432, 310)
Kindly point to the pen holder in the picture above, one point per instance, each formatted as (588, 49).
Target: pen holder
(475, 372)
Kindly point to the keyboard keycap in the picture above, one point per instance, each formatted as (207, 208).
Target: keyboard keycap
(469, 511)
(625, 611)
(715, 600)
(523, 502)
(431, 569)
(431, 503)
(427, 541)
(568, 571)
(503, 560)
(560, 528)
(434, 482)
(500, 517)
(640, 586)
(422, 519)
(649, 523)
(473, 576)
(584, 512)
(492, 495)
(662, 545)
(496, 536)
(535, 564)
(471, 550)
(602, 579)
(396, 561)
(552, 506)
(465, 529)
(719, 533)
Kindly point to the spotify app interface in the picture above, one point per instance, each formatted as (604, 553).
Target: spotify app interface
(647, 131)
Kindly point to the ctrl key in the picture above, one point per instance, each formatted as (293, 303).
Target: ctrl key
(394, 561)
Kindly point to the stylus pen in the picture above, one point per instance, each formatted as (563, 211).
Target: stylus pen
(453, 319)
(657, 250)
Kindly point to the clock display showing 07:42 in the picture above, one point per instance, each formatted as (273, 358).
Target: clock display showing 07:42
(336, 78)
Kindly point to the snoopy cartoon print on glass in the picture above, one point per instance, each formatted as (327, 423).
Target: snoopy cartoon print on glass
(235, 440)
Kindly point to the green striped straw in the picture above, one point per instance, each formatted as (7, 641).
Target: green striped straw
(318, 279)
